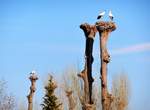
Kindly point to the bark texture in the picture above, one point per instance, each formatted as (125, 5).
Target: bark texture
(71, 100)
(104, 29)
(33, 79)
(86, 74)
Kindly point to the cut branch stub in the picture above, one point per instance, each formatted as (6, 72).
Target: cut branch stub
(83, 75)
(90, 107)
(89, 30)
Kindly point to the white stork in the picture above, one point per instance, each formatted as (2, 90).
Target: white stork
(33, 72)
(101, 15)
(111, 15)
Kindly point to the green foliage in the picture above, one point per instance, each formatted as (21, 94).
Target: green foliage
(50, 100)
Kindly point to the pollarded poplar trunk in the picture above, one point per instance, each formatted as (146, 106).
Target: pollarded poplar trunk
(71, 100)
(104, 29)
(86, 74)
(33, 79)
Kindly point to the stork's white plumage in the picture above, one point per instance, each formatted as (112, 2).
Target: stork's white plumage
(33, 72)
(111, 15)
(101, 15)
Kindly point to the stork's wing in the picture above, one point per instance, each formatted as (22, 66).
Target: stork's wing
(99, 17)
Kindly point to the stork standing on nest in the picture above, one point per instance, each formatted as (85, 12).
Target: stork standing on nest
(101, 15)
(32, 72)
(111, 15)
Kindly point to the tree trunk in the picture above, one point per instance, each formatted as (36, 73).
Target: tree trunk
(33, 79)
(71, 100)
(104, 29)
(86, 74)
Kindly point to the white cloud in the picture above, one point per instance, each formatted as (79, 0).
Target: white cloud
(132, 49)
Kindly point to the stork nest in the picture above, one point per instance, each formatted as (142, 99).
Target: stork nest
(105, 26)
(33, 77)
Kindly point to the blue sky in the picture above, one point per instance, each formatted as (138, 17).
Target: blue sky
(44, 35)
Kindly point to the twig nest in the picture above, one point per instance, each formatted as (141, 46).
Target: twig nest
(105, 26)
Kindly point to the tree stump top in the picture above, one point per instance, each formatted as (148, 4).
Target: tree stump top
(68, 93)
(33, 77)
(105, 26)
(89, 30)
(90, 107)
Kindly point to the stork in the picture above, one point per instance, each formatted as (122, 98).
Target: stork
(33, 72)
(101, 15)
(111, 15)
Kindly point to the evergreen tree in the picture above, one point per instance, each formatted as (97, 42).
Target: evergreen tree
(50, 100)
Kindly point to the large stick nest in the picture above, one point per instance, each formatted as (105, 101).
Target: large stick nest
(105, 26)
